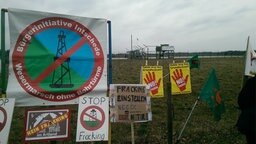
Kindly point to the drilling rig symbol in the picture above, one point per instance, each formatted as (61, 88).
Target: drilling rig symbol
(61, 77)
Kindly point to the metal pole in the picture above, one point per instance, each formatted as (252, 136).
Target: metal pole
(131, 42)
(3, 56)
(131, 48)
(109, 53)
(147, 52)
(109, 70)
(184, 126)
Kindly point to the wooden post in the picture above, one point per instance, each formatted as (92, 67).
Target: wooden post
(132, 132)
(169, 112)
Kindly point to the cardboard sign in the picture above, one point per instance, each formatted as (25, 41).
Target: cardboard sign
(180, 78)
(6, 112)
(92, 120)
(48, 124)
(130, 103)
(153, 77)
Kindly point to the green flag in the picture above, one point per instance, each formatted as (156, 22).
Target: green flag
(194, 62)
(211, 93)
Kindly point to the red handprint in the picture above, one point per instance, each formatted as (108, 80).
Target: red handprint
(179, 80)
(151, 82)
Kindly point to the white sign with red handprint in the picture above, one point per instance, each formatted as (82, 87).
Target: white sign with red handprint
(6, 111)
(153, 77)
(180, 78)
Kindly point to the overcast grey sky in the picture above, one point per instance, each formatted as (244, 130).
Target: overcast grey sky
(188, 25)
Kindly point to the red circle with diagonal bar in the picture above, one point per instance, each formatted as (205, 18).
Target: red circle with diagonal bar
(31, 85)
(85, 113)
(2, 124)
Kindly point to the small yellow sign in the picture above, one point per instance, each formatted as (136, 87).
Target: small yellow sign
(180, 78)
(153, 77)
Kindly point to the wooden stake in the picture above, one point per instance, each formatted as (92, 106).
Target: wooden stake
(132, 132)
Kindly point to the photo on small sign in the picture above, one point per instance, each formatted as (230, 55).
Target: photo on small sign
(47, 124)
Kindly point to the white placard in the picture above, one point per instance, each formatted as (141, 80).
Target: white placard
(93, 119)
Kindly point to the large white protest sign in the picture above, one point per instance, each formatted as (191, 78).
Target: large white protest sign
(54, 59)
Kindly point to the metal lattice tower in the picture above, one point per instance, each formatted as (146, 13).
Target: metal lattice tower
(61, 76)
